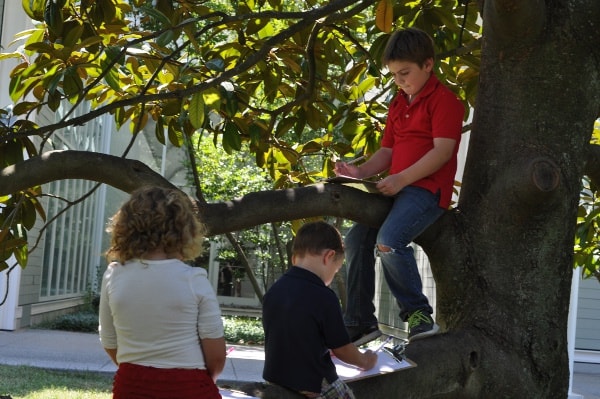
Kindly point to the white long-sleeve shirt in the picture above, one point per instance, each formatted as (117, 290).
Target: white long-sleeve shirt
(154, 312)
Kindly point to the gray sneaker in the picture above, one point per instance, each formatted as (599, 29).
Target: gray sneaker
(421, 325)
(360, 335)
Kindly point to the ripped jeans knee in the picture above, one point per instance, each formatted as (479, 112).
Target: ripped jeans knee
(384, 249)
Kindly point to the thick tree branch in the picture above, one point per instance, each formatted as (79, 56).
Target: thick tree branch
(290, 204)
(462, 355)
(123, 174)
(251, 210)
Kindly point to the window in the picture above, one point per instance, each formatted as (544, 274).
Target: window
(72, 241)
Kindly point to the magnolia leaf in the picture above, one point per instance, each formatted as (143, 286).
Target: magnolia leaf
(384, 15)
(196, 110)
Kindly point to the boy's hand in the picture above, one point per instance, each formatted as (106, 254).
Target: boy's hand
(345, 169)
(391, 185)
(369, 359)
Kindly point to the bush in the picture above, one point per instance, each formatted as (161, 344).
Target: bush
(244, 330)
(238, 329)
(79, 322)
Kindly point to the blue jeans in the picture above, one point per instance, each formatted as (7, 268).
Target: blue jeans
(414, 210)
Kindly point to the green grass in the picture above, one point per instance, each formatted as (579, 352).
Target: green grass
(24, 382)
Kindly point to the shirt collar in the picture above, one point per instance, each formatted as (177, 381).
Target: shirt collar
(304, 274)
(427, 89)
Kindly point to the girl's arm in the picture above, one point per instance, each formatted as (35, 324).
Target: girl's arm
(214, 355)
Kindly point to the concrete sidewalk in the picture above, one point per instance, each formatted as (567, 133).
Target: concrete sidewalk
(82, 351)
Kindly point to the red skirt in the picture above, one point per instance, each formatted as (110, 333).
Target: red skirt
(141, 382)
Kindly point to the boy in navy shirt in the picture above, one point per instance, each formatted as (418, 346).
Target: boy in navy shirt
(303, 321)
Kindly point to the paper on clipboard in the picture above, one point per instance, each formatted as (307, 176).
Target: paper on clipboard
(227, 394)
(361, 184)
(386, 363)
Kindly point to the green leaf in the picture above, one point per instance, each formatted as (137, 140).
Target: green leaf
(72, 84)
(175, 134)
(157, 15)
(28, 214)
(159, 130)
(112, 79)
(167, 37)
(34, 9)
(74, 31)
(232, 139)
(196, 110)
(53, 16)
(22, 255)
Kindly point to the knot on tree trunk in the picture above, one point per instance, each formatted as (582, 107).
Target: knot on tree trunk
(540, 179)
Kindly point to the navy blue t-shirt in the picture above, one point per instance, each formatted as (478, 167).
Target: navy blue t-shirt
(302, 319)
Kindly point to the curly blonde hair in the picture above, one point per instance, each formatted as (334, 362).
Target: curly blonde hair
(155, 218)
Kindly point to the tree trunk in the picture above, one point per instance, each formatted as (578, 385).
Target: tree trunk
(505, 275)
(503, 260)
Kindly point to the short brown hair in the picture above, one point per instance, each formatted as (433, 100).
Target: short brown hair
(411, 44)
(314, 237)
(155, 218)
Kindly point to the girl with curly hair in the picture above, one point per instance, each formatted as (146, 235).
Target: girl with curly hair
(160, 321)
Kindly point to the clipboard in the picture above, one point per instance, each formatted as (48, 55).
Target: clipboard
(228, 394)
(386, 363)
(361, 184)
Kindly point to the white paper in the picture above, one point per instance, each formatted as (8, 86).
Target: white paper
(227, 394)
(386, 363)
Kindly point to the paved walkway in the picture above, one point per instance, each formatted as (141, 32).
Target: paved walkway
(82, 351)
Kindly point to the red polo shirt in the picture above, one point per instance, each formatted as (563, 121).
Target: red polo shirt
(411, 128)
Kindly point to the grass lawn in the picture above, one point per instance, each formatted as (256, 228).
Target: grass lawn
(23, 382)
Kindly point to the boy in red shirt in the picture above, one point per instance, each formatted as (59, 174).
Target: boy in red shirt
(418, 150)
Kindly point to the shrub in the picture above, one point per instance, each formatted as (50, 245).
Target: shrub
(80, 322)
(244, 330)
(238, 329)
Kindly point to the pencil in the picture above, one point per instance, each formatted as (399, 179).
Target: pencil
(350, 162)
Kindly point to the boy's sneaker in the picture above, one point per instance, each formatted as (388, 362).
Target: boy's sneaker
(360, 335)
(421, 325)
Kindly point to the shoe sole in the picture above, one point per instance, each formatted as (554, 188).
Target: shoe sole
(367, 338)
(434, 330)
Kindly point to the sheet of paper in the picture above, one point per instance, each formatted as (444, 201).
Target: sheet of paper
(227, 394)
(386, 363)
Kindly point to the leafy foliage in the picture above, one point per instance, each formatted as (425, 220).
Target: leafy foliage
(244, 330)
(293, 82)
(587, 239)
(79, 322)
(225, 176)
